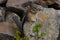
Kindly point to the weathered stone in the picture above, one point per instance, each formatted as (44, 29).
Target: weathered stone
(10, 15)
(2, 14)
(5, 37)
(16, 3)
(58, 2)
(46, 2)
(46, 16)
(14, 18)
(7, 28)
(58, 19)
(2, 1)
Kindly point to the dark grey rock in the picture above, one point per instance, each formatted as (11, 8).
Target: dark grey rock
(2, 14)
(2, 1)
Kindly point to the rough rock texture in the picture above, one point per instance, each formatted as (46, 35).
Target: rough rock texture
(9, 24)
(58, 19)
(5, 37)
(2, 1)
(7, 28)
(58, 2)
(47, 16)
(2, 14)
(16, 3)
(10, 15)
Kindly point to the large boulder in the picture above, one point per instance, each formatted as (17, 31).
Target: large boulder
(47, 17)
(7, 28)
(16, 3)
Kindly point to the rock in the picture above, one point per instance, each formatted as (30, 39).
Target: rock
(16, 3)
(58, 19)
(2, 14)
(55, 6)
(5, 37)
(7, 28)
(14, 18)
(47, 17)
(46, 2)
(2, 1)
(50, 26)
(58, 2)
(10, 15)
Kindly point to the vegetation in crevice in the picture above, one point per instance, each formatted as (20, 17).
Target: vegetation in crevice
(17, 35)
(36, 30)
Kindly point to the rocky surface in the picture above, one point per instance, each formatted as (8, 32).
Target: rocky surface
(47, 16)
(2, 1)
(58, 1)
(7, 28)
(39, 13)
(17, 3)
(2, 14)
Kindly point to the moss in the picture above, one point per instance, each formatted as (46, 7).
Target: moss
(17, 32)
(17, 37)
(42, 35)
(36, 27)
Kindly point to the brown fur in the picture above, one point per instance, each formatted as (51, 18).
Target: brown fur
(31, 15)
